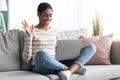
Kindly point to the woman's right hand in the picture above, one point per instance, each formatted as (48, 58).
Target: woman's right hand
(27, 28)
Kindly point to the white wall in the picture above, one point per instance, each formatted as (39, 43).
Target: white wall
(69, 14)
(65, 16)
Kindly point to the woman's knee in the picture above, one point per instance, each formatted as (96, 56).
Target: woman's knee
(92, 47)
(40, 54)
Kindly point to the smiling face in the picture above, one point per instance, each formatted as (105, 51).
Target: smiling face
(45, 17)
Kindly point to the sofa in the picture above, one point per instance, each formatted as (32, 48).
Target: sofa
(12, 66)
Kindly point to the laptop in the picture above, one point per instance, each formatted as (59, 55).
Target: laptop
(68, 49)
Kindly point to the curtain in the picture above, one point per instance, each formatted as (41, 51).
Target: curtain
(6, 16)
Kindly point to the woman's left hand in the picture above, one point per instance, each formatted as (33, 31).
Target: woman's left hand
(27, 28)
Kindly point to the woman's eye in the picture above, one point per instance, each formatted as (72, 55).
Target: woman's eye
(50, 15)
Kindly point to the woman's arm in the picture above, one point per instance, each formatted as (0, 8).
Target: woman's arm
(27, 51)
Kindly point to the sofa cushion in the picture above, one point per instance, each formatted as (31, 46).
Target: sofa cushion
(21, 75)
(95, 72)
(73, 34)
(103, 46)
(9, 50)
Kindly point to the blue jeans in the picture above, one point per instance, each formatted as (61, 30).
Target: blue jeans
(47, 64)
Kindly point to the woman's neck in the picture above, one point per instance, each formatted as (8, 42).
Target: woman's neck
(42, 27)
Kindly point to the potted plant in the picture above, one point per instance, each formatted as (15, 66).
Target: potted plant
(97, 26)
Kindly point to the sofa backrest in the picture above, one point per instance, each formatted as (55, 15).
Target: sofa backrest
(9, 50)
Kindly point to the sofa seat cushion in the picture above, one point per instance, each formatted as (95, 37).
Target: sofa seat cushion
(21, 75)
(95, 72)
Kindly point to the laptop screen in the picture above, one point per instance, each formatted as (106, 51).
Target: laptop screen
(68, 49)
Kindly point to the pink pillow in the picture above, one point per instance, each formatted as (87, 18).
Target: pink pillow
(103, 45)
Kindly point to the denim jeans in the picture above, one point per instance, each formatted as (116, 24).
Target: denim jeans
(47, 64)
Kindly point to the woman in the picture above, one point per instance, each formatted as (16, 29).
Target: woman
(40, 42)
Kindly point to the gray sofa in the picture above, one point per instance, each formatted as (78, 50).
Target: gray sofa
(13, 68)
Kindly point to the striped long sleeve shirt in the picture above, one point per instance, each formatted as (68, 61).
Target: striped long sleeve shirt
(42, 40)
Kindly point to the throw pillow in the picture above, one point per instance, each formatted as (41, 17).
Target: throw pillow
(103, 45)
(72, 34)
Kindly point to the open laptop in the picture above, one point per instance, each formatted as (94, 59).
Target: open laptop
(68, 49)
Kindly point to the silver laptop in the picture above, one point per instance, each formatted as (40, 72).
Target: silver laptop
(68, 49)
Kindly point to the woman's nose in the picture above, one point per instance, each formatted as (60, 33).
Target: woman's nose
(49, 18)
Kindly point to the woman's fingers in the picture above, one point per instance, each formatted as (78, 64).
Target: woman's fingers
(27, 28)
(25, 22)
(32, 30)
(32, 27)
(23, 25)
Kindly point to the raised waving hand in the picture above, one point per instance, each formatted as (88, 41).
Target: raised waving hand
(27, 28)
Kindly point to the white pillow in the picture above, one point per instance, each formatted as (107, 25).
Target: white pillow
(73, 34)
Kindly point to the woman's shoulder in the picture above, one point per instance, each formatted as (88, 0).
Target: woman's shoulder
(53, 29)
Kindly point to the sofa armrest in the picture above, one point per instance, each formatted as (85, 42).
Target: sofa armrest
(115, 52)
